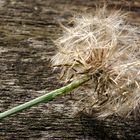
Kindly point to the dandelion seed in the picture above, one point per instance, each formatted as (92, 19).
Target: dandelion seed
(104, 47)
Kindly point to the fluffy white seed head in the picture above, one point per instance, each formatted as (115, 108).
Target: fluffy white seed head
(106, 48)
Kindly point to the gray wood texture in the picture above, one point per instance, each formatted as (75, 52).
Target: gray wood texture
(27, 31)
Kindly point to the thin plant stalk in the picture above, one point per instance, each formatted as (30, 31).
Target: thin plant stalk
(44, 98)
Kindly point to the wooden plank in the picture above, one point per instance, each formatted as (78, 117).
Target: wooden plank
(27, 29)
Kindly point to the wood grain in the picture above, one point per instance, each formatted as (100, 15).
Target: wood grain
(27, 31)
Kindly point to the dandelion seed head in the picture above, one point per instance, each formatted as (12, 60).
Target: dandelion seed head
(106, 48)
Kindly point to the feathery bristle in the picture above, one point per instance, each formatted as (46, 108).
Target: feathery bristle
(104, 47)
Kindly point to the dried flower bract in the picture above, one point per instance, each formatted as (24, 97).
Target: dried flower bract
(106, 48)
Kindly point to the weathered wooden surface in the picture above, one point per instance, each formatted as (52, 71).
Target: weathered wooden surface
(27, 28)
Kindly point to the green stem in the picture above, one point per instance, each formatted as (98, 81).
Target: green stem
(44, 98)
